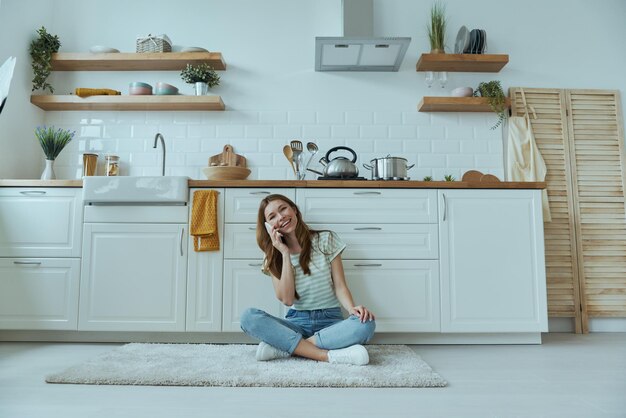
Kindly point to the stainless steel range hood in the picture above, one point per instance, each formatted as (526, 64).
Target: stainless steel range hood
(358, 49)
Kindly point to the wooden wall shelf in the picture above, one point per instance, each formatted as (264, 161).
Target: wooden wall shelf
(160, 61)
(456, 104)
(71, 102)
(478, 63)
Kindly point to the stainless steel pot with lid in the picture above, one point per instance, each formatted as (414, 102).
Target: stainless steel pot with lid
(389, 167)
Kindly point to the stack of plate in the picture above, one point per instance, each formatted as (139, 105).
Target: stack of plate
(470, 42)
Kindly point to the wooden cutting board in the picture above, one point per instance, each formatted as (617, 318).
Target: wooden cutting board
(227, 158)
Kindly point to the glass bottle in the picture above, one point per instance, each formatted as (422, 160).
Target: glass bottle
(112, 165)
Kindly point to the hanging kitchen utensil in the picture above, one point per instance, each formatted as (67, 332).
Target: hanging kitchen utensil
(289, 155)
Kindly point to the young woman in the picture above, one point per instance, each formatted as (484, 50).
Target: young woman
(307, 274)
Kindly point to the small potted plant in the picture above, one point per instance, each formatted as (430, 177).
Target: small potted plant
(202, 75)
(492, 91)
(437, 28)
(449, 177)
(52, 142)
(41, 50)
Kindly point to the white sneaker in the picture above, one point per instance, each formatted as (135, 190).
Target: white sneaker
(267, 352)
(355, 354)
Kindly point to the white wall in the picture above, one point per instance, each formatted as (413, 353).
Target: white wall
(273, 94)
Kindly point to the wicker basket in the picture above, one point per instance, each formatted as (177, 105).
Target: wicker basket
(154, 43)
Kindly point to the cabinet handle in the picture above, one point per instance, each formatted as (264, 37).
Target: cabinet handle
(368, 228)
(182, 233)
(368, 265)
(362, 193)
(33, 192)
(28, 263)
(252, 229)
(261, 192)
(255, 264)
(445, 206)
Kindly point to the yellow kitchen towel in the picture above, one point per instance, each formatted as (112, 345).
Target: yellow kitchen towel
(85, 92)
(203, 226)
(524, 161)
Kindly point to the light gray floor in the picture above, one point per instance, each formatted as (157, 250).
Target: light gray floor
(568, 376)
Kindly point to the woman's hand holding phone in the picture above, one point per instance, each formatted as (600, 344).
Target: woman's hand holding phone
(276, 238)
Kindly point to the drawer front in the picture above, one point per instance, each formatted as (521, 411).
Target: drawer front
(387, 206)
(386, 241)
(40, 222)
(242, 205)
(403, 295)
(39, 293)
(240, 242)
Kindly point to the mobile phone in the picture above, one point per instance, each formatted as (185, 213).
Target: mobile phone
(268, 227)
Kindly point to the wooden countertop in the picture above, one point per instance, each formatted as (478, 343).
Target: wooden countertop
(308, 184)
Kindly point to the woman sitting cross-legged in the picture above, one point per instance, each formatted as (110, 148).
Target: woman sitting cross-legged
(307, 274)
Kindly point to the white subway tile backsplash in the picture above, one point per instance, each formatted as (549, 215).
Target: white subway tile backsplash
(301, 118)
(430, 132)
(446, 147)
(288, 132)
(359, 118)
(314, 132)
(439, 144)
(402, 131)
(374, 132)
(387, 118)
(331, 118)
(229, 131)
(273, 117)
(259, 131)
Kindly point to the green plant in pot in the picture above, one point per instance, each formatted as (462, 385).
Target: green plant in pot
(41, 50)
(202, 75)
(52, 142)
(437, 28)
(492, 91)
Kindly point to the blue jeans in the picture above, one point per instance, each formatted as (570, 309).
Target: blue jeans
(330, 329)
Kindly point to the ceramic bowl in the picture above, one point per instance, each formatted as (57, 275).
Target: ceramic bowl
(226, 173)
(164, 89)
(462, 92)
(100, 49)
(138, 88)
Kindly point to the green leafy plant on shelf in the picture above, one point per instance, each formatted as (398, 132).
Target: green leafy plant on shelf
(201, 73)
(492, 91)
(449, 177)
(428, 178)
(53, 140)
(41, 50)
(437, 28)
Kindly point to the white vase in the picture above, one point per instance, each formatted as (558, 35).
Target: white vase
(201, 88)
(48, 172)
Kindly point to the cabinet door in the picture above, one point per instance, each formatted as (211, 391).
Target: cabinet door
(246, 287)
(133, 277)
(40, 222)
(242, 205)
(389, 206)
(240, 242)
(492, 261)
(204, 280)
(39, 293)
(404, 295)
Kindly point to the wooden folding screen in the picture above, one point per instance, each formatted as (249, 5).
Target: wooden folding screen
(580, 135)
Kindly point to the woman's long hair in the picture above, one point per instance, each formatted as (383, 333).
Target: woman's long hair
(304, 235)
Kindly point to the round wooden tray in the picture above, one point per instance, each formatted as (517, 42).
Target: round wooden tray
(226, 173)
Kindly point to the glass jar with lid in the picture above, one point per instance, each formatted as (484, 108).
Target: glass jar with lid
(112, 165)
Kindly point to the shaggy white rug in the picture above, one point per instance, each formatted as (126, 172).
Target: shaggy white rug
(235, 365)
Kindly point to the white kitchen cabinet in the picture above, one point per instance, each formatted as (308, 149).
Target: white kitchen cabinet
(204, 279)
(391, 206)
(245, 286)
(242, 205)
(40, 222)
(492, 261)
(403, 294)
(133, 277)
(39, 293)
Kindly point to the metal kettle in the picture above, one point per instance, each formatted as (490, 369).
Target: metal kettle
(340, 167)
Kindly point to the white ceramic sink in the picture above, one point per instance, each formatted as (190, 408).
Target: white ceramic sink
(134, 189)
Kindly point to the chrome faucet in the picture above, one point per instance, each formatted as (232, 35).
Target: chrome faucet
(156, 137)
